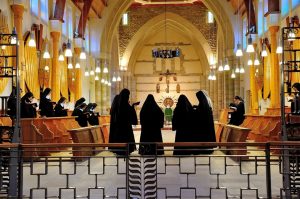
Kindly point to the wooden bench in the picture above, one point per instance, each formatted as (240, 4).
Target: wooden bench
(261, 126)
(92, 134)
(232, 133)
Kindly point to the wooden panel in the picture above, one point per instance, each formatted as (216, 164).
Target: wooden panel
(91, 134)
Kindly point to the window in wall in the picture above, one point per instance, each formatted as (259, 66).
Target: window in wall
(87, 38)
(284, 7)
(34, 5)
(70, 24)
(260, 17)
(44, 10)
(295, 3)
(210, 17)
(65, 25)
(244, 33)
(125, 19)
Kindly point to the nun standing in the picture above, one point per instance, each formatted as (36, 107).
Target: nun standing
(152, 120)
(46, 106)
(181, 123)
(204, 130)
(123, 116)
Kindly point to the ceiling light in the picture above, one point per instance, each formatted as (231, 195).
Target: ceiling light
(250, 47)
(31, 42)
(239, 51)
(68, 52)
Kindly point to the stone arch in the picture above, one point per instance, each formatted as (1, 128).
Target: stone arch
(118, 7)
(178, 24)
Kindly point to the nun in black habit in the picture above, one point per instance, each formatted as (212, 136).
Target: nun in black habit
(92, 115)
(46, 106)
(123, 116)
(204, 130)
(28, 109)
(81, 115)
(59, 109)
(152, 120)
(181, 123)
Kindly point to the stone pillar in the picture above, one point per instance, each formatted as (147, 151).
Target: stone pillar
(78, 89)
(55, 79)
(274, 84)
(18, 11)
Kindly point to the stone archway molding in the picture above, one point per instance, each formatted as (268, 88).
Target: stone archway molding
(156, 24)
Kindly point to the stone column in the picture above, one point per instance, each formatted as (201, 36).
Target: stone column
(55, 83)
(78, 89)
(274, 84)
(18, 11)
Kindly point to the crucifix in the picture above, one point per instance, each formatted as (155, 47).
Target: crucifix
(167, 74)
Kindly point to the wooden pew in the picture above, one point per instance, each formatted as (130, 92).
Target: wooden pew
(232, 133)
(92, 134)
(260, 125)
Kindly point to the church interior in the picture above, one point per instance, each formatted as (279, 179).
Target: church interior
(232, 50)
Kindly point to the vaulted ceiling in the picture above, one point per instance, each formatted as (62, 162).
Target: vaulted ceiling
(96, 8)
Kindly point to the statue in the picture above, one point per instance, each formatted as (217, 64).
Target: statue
(157, 88)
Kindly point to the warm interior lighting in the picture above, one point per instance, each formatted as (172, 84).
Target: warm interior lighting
(86, 73)
(291, 36)
(3, 47)
(114, 79)
(68, 52)
(256, 62)
(118, 78)
(31, 42)
(82, 54)
(226, 66)
(250, 62)
(77, 65)
(239, 51)
(98, 69)
(109, 84)
(237, 70)
(250, 47)
(105, 69)
(92, 73)
(13, 39)
(233, 75)
(264, 52)
(96, 78)
(242, 70)
(102, 81)
(61, 56)
(220, 67)
(70, 66)
(46, 54)
(46, 68)
(279, 49)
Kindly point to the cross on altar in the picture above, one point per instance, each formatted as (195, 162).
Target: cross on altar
(167, 74)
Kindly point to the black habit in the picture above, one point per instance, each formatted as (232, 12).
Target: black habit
(81, 115)
(28, 109)
(182, 124)
(204, 130)
(123, 116)
(46, 106)
(59, 110)
(152, 120)
(237, 116)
